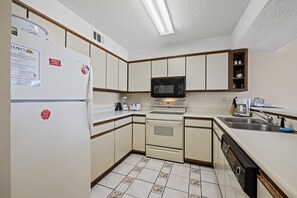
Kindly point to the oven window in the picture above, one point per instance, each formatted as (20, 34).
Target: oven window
(164, 89)
(163, 131)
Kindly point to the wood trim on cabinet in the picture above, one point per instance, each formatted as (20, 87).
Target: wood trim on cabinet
(103, 122)
(198, 162)
(191, 118)
(102, 133)
(272, 188)
(95, 181)
(138, 123)
(108, 90)
(198, 127)
(138, 152)
(122, 126)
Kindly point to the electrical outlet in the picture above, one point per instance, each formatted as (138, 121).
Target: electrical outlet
(224, 99)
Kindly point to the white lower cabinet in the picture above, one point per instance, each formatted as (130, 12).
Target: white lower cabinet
(100, 159)
(139, 137)
(198, 144)
(123, 141)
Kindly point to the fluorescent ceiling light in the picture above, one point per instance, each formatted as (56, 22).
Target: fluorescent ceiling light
(159, 13)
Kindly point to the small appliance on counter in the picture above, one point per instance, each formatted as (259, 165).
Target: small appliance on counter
(118, 106)
(258, 102)
(135, 107)
(241, 107)
(124, 103)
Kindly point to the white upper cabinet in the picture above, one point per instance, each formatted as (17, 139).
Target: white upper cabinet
(123, 75)
(18, 10)
(177, 67)
(195, 72)
(112, 74)
(140, 76)
(77, 44)
(56, 34)
(217, 71)
(159, 68)
(98, 62)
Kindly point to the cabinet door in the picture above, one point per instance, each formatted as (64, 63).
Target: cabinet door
(195, 72)
(98, 62)
(217, 71)
(100, 159)
(198, 144)
(215, 152)
(123, 75)
(139, 137)
(112, 70)
(18, 10)
(56, 34)
(159, 68)
(221, 171)
(177, 66)
(140, 76)
(123, 141)
(77, 44)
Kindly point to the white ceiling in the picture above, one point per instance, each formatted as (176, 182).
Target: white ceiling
(128, 23)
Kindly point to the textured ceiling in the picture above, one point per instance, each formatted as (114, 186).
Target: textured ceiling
(128, 23)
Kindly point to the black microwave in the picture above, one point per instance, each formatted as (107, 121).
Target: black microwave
(173, 87)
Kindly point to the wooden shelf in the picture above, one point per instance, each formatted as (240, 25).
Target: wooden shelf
(238, 78)
(238, 65)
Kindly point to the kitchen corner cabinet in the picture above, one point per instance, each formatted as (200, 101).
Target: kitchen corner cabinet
(77, 44)
(56, 34)
(123, 82)
(140, 76)
(98, 62)
(159, 68)
(198, 138)
(238, 71)
(195, 73)
(177, 67)
(112, 72)
(217, 66)
(100, 159)
(123, 141)
(18, 10)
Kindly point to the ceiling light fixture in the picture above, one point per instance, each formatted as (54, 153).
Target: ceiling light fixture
(159, 14)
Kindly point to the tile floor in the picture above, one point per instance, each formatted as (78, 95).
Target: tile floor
(139, 176)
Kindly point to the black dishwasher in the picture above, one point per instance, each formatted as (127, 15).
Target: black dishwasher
(244, 169)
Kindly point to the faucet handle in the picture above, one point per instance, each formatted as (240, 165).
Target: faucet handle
(283, 119)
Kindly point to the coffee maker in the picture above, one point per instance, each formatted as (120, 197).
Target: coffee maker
(243, 106)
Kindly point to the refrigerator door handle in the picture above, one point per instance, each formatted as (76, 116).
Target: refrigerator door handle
(89, 101)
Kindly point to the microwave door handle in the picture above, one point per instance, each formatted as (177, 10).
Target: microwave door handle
(164, 123)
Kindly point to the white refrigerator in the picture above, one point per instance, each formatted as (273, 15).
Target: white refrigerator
(50, 120)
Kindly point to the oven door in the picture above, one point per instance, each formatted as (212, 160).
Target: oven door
(165, 133)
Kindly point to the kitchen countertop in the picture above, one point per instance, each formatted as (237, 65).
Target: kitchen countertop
(281, 111)
(274, 153)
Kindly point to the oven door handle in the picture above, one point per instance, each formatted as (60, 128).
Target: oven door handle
(164, 123)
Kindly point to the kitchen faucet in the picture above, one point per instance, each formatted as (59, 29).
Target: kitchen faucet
(266, 117)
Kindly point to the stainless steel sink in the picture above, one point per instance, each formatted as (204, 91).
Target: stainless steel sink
(249, 124)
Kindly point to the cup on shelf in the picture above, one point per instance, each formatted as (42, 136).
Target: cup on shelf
(235, 62)
(239, 62)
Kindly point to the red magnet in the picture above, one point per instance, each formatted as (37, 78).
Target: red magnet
(45, 114)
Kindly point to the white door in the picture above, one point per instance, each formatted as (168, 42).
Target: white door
(140, 76)
(123, 80)
(112, 72)
(195, 72)
(63, 73)
(50, 152)
(177, 67)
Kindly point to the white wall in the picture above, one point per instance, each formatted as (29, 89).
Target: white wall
(5, 18)
(273, 76)
(105, 99)
(58, 12)
(204, 45)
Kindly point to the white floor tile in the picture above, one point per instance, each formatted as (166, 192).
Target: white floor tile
(182, 164)
(111, 180)
(132, 159)
(166, 170)
(100, 192)
(148, 175)
(141, 164)
(123, 169)
(161, 181)
(178, 183)
(195, 166)
(154, 195)
(122, 187)
(210, 190)
(155, 164)
(208, 168)
(171, 193)
(133, 174)
(195, 190)
(139, 189)
(180, 171)
(127, 196)
(209, 176)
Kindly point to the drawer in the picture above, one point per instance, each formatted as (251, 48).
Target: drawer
(123, 121)
(100, 128)
(140, 119)
(198, 123)
(175, 155)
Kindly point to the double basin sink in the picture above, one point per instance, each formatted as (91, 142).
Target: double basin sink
(249, 124)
